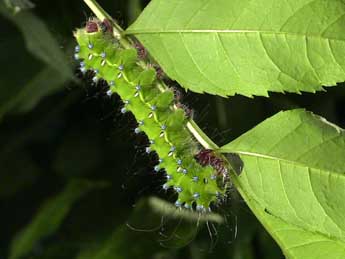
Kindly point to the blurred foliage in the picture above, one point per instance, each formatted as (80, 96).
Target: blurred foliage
(57, 130)
(50, 216)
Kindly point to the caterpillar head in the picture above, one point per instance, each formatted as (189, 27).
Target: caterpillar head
(95, 25)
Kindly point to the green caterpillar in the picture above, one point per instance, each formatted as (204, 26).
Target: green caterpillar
(165, 125)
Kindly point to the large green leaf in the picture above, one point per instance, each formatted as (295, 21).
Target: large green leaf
(247, 47)
(50, 216)
(293, 178)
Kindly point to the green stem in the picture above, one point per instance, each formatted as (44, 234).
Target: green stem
(126, 42)
(201, 136)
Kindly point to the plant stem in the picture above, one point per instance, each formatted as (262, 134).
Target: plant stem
(126, 42)
(201, 136)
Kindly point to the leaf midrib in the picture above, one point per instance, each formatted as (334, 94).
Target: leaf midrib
(258, 155)
(135, 32)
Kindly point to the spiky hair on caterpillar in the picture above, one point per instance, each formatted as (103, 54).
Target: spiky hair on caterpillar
(197, 185)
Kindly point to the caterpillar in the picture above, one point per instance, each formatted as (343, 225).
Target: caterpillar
(196, 184)
(143, 55)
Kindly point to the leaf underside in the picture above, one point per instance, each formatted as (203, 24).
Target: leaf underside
(294, 181)
(246, 47)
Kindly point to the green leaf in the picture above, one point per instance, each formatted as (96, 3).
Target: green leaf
(50, 216)
(293, 180)
(172, 228)
(42, 73)
(19, 5)
(45, 82)
(246, 47)
(39, 41)
(164, 208)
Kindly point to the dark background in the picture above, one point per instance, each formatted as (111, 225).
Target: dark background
(57, 129)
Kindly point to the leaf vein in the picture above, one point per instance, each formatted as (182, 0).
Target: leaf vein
(196, 64)
(341, 230)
